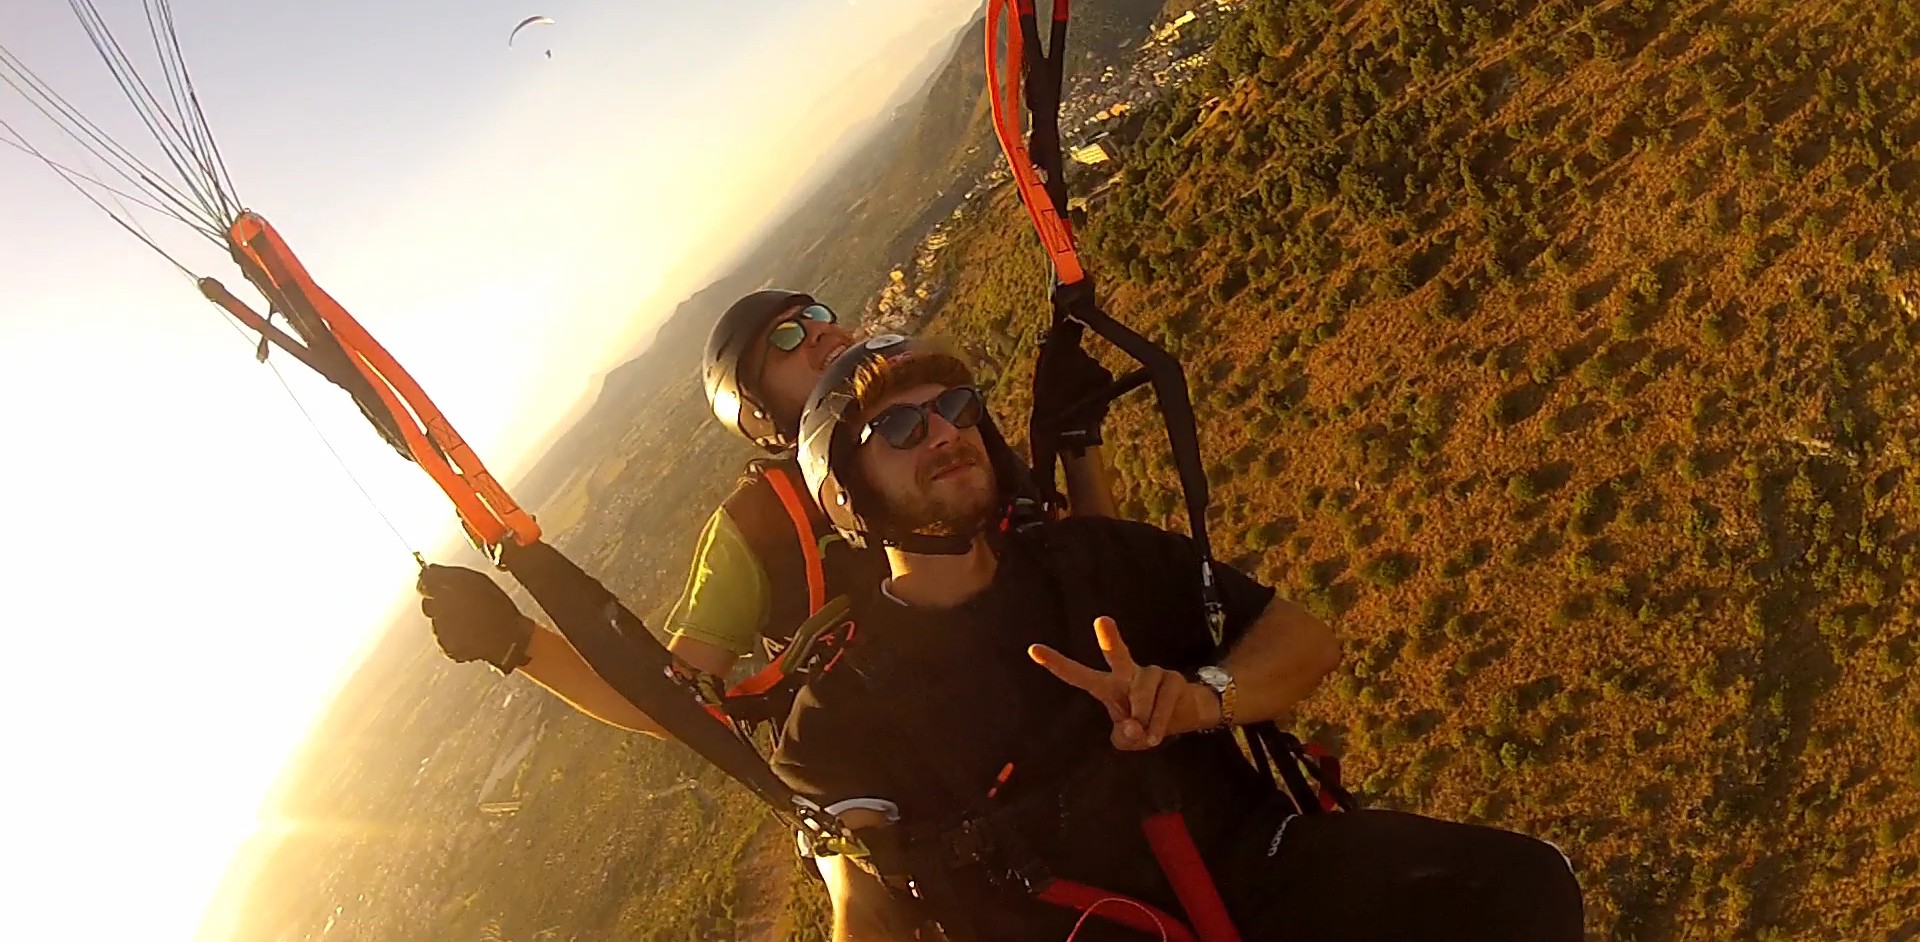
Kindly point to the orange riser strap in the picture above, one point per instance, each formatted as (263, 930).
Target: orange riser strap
(490, 514)
(1003, 93)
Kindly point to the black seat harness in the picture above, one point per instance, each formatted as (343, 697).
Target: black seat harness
(995, 831)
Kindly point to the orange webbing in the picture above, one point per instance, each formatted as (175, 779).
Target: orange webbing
(774, 673)
(763, 680)
(490, 515)
(803, 531)
(1003, 93)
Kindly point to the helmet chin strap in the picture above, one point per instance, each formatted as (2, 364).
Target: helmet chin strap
(1016, 514)
(925, 544)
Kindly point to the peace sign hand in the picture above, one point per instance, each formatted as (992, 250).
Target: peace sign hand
(1146, 703)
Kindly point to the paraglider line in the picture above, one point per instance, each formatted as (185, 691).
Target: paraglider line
(346, 469)
(69, 171)
(131, 227)
(145, 104)
(91, 136)
(188, 103)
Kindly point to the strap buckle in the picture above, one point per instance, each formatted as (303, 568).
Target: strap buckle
(973, 842)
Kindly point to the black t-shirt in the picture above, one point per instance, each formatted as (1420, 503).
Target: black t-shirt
(930, 705)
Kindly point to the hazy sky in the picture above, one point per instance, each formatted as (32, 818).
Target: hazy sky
(188, 570)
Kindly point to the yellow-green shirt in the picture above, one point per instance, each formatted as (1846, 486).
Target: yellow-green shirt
(727, 599)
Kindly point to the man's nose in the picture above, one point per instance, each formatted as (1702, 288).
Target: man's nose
(819, 333)
(940, 432)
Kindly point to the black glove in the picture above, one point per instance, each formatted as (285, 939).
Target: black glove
(473, 619)
(1065, 375)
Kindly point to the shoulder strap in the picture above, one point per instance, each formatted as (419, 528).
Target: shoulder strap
(772, 518)
(781, 477)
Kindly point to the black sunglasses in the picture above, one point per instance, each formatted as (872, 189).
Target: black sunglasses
(904, 425)
(789, 334)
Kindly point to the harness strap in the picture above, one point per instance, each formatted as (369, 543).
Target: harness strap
(1039, 173)
(1324, 793)
(818, 644)
(1180, 860)
(803, 533)
(620, 649)
(1325, 768)
(773, 519)
(385, 391)
(1004, 96)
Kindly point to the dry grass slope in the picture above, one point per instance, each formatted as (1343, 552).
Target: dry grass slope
(1564, 356)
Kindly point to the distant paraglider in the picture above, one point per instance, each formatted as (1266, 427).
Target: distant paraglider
(529, 21)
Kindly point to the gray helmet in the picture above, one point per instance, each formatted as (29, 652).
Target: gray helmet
(827, 441)
(734, 334)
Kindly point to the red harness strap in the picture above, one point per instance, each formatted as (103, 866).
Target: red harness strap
(1329, 777)
(1180, 860)
(1003, 94)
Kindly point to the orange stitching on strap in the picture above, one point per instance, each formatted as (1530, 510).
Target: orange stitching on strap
(766, 679)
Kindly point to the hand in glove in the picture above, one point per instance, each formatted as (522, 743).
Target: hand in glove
(1065, 375)
(473, 619)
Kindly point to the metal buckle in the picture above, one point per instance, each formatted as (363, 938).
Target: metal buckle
(972, 843)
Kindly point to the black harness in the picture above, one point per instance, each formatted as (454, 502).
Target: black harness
(1000, 822)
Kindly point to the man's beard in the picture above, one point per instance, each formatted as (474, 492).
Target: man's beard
(934, 510)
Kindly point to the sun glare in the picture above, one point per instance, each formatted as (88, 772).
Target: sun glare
(197, 563)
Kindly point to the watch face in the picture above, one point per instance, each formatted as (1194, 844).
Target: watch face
(1214, 677)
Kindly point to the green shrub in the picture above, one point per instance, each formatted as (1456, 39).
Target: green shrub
(1596, 372)
(1389, 570)
(1692, 468)
(1264, 536)
(1522, 487)
(1626, 326)
(1713, 333)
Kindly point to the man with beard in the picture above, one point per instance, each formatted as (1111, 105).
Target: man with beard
(768, 560)
(986, 765)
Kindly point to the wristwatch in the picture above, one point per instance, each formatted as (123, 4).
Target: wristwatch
(1220, 682)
